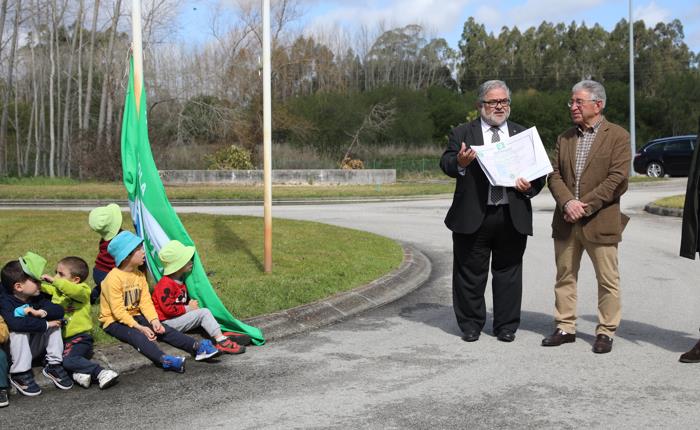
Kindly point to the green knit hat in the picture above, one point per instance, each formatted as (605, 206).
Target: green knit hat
(106, 220)
(174, 256)
(33, 265)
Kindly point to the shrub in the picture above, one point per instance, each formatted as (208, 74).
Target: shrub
(230, 157)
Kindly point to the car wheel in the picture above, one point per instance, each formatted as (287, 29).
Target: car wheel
(655, 170)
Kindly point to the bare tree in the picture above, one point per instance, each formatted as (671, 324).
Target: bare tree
(91, 66)
(6, 93)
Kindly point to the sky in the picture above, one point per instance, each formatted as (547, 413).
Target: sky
(445, 18)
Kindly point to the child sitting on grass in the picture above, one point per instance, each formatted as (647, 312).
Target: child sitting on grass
(69, 290)
(127, 312)
(107, 222)
(174, 306)
(34, 323)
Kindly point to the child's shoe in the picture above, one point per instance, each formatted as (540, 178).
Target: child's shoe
(239, 338)
(24, 383)
(230, 347)
(107, 378)
(82, 379)
(206, 350)
(174, 363)
(4, 399)
(57, 374)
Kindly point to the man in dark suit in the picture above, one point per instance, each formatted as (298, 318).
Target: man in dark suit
(487, 222)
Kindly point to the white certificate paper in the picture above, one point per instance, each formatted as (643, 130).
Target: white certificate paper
(519, 156)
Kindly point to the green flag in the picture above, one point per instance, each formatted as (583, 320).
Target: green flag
(153, 216)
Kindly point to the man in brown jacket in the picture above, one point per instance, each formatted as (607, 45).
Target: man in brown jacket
(591, 167)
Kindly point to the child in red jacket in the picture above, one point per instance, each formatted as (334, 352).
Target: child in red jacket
(174, 306)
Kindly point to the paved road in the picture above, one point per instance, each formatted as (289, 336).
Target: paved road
(404, 366)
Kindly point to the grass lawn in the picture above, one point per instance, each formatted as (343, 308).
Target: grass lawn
(71, 189)
(310, 260)
(671, 202)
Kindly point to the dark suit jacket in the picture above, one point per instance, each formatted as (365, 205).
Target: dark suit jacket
(603, 181)
(471, 191)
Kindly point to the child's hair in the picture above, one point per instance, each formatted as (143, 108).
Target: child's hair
(11, 274)
(77, 266)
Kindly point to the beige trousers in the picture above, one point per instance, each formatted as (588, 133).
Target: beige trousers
(567, 254)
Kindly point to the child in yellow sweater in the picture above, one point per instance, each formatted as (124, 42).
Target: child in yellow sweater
(127, 312)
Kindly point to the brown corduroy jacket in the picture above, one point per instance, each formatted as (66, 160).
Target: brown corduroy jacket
(603, 180)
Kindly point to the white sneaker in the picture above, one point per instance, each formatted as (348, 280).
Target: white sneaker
(82, 379)
(107, 378)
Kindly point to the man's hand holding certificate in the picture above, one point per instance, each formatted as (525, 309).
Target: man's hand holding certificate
(521, 155)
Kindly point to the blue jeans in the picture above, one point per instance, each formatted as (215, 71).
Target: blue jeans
(76, 353)
(146, 347)
(4, 368)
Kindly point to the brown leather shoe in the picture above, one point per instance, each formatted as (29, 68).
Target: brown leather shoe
(559, 337)
(602, 344)
(692, 356)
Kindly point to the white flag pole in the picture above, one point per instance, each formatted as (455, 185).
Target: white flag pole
(267, 137)
(136, 50)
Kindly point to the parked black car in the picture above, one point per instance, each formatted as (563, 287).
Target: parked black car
(666, 156)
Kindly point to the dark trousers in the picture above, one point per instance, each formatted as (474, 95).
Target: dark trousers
(98, 276)
(496, 239)
(149, 348)
(77, 352)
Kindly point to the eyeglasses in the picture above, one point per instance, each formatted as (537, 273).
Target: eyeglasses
(579, 102)
(494, 103)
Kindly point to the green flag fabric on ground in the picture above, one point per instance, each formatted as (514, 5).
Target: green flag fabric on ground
(153, 216)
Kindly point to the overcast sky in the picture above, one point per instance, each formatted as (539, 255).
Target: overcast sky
(445, 18)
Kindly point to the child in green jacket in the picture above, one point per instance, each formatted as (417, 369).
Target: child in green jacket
(68, 289)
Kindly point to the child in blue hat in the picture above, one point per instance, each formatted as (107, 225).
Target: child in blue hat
(127, 312)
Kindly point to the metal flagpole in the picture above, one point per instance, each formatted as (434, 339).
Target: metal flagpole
(136, 50)
(633, 141)
(267, 137)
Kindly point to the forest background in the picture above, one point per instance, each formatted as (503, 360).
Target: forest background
(386, 96)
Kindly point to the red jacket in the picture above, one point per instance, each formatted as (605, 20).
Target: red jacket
(169, 298)
(104, 260)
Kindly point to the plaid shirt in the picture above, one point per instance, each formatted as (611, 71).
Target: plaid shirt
(586, 137)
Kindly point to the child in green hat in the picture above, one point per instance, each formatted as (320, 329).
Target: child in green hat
(107, 222)
(34, 323)
(177, 310)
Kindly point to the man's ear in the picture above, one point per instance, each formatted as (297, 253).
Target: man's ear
(16, 286)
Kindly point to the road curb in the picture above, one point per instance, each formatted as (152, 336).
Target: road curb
(413, 272)
(663, 211)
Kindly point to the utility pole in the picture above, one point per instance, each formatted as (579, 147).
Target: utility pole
(633, 137)
(267, 138)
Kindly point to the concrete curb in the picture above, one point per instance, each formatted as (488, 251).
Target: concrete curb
(58, 203)
(413, 272)
(660, 210)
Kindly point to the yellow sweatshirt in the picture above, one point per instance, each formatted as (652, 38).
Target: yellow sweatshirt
(124, 296)
(4, 331)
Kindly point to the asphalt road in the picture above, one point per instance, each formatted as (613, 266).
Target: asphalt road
(404, 365)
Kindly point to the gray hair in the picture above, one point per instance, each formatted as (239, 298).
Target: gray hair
(595, 89)
(491, 85)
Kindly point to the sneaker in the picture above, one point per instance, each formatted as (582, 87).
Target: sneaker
(4, 399)
(82, 379)
(174, 363)
(57, 374)
(107, 378)
(206, 350)
(239, 338)
(24, 383)
(230, 347)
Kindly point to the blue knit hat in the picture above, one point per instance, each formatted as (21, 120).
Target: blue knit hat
(122, 245)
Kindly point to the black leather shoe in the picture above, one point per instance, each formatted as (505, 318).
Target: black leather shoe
(559, 337)
(505, 335)
(602, 344)
(692, 356)
(471, 335)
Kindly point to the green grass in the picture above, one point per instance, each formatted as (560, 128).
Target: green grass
(310, 260)
(116, 191)
(671, 202)
(645, 178)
